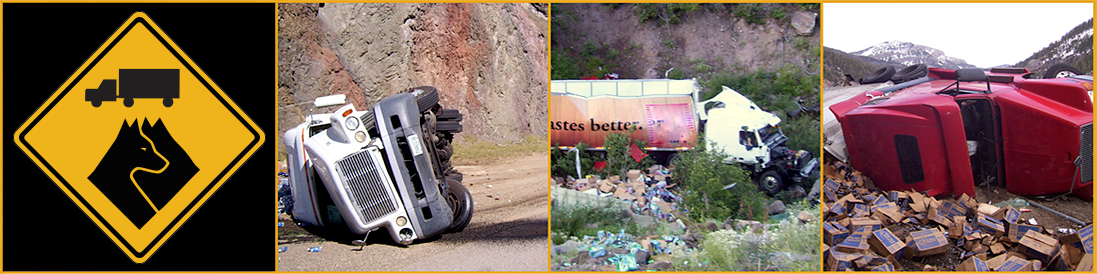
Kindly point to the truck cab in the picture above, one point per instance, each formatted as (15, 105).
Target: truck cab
(952, 129)
(374, 169)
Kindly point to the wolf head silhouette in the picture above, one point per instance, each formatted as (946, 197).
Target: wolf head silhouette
(143, 169)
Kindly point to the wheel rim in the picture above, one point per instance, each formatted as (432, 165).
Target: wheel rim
(1064, 73)
(451, 199)
(769, 182)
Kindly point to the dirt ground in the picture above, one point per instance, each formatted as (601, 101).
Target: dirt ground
(506, 234)
(706, 35)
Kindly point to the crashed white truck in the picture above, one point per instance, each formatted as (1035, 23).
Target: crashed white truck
(384, 168)
(668, 114)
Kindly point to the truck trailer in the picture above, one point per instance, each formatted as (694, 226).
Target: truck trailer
(668, 115)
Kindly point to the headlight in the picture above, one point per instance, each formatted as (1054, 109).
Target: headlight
(352, 123)
(360, 136)
(401, 221)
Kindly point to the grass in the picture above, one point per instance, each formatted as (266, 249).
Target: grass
(476, 151)
(743, 250)
(586, 220)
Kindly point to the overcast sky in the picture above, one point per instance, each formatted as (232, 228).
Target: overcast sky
(983, 34)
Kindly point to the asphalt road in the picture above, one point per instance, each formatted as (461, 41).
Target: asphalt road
(508, 234)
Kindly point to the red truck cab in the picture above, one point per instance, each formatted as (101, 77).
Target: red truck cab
(954, 129)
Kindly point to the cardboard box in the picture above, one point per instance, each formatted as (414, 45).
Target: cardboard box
(925, 243)
(885, 243)
(840, 261)
(1079, 243)
(1014, 264)
(830, 189)
(1016, 231)
(833, 233)
(973, 264)
(606, 187)
(1035, 245)
(632, 175)
(1061, 262)
(890, 214)
(860, 210)
(967, 203)
(857, 223)
(917, 202)
(989, 225)
(1007, 214)
(940, 214)
(1085, 264)
(838, 208)
(854, 243)
(615, 179)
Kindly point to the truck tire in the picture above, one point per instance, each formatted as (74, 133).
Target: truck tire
(879, 76)
(1060, 71)
(771, 182)
(426, 97)
(450, 126)
(460, 201)
(128, 102)
(450, 115)
(910, 73)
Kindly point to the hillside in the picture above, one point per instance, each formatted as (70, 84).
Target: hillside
(1074, 48)
(907, 53)
(487, 60)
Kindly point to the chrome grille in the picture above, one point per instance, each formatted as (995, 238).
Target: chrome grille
(1086, 152)
(365, 186)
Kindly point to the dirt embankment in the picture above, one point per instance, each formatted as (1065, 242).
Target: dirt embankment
(487, 60)
(710, 38)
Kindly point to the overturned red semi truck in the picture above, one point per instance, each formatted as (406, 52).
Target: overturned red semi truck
(945, 132)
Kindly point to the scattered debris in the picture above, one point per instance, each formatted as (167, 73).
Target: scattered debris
(648, 192)
(315, 249)
(870, 230)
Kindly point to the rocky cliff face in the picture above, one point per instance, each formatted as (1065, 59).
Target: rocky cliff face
(487, 60)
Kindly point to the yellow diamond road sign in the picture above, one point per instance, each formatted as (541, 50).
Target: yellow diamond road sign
(154, 137)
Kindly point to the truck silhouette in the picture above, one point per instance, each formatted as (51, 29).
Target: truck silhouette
(137, 83)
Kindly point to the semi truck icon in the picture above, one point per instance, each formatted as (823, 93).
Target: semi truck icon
(137, 83)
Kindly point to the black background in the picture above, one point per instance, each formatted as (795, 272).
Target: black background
(44, 44)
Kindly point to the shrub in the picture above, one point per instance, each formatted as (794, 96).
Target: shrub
(586, 220)
(702, 176)
(563, 162)
(618, 159)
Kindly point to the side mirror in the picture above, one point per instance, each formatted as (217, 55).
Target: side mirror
(330, 100)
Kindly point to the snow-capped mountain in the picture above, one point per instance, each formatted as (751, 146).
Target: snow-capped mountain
(907, 53)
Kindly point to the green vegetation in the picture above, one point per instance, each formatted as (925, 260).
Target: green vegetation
(563, 162)
(472, 150)
(586, 220)
(563, 66)
(752, 13)
(667, 13)
(618, 159)
(776, 91)
(777, 13)
(670, 43)
(702, 176)
(786, 246)
(676, 74)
